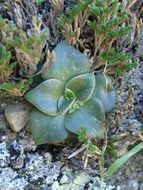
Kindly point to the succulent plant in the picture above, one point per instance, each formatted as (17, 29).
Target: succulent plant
(69, 99)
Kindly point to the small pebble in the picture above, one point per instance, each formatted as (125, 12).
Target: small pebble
(17, 115)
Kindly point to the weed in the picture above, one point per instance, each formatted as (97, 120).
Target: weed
(7, 30)
(29, 48)
(72, 24)
(106, 22)
(82, 136)
(118, 62)
(6, 68)
(15, 89)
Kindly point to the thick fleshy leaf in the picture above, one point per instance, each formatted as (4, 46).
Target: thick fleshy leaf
(90, 116)
(64, 105)
(69, 95)
(69, 62)
(76, 106)
(82, 86)
(46, 95)
(105, 91)
(47, 129)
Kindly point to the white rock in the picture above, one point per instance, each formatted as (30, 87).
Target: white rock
(17, 115)
(55, 186)
(64, 179)
(4, 155)
(80, 181)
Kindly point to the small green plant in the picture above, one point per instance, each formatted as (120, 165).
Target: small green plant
(118, 62)
(6, 68)
(70, 97)
(112, 147)
(7, 30)
(73, 22)
(28, 45)
(15, 89)
(29, 48)
(106, 21)
(91, 148)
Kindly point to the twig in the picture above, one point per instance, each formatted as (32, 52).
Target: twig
(84, 147)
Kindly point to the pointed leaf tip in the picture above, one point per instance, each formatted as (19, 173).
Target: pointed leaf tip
(69, 62)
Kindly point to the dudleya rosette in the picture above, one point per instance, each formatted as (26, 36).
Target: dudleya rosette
(71, 97)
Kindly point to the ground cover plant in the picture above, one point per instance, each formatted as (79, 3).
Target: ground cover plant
(65, 58)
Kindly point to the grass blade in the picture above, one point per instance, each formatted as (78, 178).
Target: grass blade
(120, 161)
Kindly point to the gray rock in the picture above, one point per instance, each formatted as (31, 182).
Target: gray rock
(17, 115)
(4, 155)
(55, 186)
(133, 185)
(78, 183)
(18, 163)
(80, 180)
(9, 180)
(64, 179)
(2, 123)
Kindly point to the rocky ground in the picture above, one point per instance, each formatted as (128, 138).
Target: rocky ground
(23, 166)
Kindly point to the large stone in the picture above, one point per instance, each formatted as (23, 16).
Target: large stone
(17, 115)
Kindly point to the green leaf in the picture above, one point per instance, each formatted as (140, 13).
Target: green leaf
(69, 95)
(105, 91)
(64, 105)
(120, 161)
(69, 63)
(2, 22)
(120, 32)
(47, 129)
(82, 86)
(75, 106)
(46, 95)
(90, 116)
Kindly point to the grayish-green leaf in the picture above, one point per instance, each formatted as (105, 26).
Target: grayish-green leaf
(46, 95)
(105, 91)
(69, 63)
(47, 129)
(82, 86)
(90, 116)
